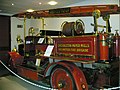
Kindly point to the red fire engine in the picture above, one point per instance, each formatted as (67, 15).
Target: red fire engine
(74, 60)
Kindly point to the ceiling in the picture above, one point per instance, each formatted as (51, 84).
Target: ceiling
(6, 6)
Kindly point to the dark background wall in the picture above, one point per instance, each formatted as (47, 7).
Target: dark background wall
(5, 38)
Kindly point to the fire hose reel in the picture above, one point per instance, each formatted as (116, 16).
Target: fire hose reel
(73, 28)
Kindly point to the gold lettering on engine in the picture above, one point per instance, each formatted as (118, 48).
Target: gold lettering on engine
(73, 47)
(82, 50)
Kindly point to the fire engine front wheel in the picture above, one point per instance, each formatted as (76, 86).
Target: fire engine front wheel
(62, 79)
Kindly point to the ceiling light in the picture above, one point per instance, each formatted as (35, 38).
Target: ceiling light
(40, 3)
(30, 10)
(52, 3)
(12, 4)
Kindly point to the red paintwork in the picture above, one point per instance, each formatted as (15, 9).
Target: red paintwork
(117, 46)
(60, 75)
(73, 49)
(16, 58)
(41, 48)
(77, 48)
(14, 55)
(77, 74)
(76, 11)
(28, 73)
(91, 42)
(104, 48)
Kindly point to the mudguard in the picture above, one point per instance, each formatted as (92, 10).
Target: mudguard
(77, 74)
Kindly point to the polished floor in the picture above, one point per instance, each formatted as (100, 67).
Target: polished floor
(11, 82)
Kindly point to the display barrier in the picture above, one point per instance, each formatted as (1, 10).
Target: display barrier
(43, 87)
(34, 84)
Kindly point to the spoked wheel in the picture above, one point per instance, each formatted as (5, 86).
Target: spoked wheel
(62, 79)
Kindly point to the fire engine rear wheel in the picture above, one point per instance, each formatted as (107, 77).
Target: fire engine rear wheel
(62, 79)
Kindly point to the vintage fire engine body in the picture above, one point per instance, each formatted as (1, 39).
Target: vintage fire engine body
(78, 61)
